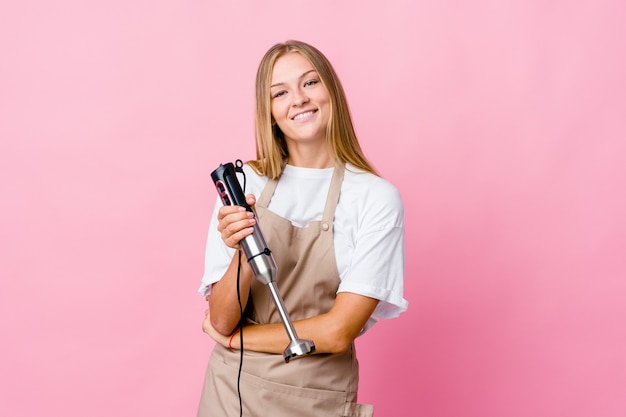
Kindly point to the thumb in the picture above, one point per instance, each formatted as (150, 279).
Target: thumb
(251, 200)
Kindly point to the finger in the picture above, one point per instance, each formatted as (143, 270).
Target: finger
(235, 224)
(231, 227)
(225, 211)
(231, 217)
(234, 239)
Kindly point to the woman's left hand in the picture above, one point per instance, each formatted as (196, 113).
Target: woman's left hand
(208, 329)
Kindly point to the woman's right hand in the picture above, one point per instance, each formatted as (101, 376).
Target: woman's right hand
(235, 222)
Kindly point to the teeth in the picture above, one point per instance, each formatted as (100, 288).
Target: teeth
(301, 115)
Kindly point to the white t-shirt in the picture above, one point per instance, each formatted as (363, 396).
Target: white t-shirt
(368, 231)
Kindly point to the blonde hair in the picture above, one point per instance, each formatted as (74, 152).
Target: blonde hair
(271, 149)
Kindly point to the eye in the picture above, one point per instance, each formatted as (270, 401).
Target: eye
(279, 94)
(310, 83)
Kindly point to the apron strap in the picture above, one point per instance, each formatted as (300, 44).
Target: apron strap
(267, 193)
(333, 194)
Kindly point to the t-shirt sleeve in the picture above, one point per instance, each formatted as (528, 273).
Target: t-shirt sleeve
(377, 267)
(217, 255)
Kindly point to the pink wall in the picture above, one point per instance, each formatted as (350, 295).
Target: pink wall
(502, 123)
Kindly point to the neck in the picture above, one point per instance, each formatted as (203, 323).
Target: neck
(310, 157)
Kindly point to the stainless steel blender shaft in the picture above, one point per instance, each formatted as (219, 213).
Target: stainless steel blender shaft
(264, 267)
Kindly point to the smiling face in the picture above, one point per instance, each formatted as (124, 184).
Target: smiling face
(300, 104)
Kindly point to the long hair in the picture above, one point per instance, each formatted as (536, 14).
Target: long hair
(271, 149)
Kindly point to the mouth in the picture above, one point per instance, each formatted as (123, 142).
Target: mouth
(304, 115)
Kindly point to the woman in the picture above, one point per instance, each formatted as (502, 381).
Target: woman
(336, 231)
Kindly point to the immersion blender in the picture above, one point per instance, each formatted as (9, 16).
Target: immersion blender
(259, 256)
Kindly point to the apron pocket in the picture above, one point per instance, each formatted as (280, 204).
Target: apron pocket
(280, 400)
(358, 410)
(262, 397)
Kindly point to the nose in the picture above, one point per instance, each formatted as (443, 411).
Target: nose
(299, 97)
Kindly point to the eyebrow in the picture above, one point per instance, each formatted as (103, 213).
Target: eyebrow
(301, 76)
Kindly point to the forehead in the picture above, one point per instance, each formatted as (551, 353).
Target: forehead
(290, 67)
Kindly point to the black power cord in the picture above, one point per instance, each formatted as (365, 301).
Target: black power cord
(239, 168)
(240, 335)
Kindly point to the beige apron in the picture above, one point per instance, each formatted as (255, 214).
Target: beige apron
(319, 385)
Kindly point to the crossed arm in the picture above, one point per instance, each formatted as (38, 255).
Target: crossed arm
(332, 332)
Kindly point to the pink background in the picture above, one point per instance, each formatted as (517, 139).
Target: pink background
(502, 123)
